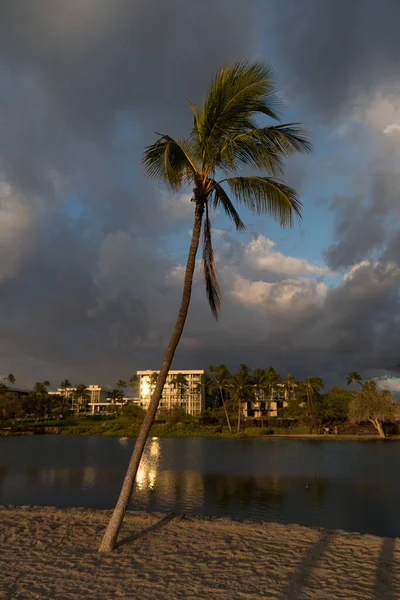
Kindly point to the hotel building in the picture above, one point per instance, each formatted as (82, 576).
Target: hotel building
(190, 395)
(96, 397)
(268, 406)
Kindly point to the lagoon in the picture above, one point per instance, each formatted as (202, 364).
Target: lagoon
(348, 485)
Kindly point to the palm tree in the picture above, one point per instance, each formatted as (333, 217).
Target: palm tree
(116, 394)
(242, 389)
(133, 383)
(273, 378)
(40, 397)
(219, 384)
(121, 385)
(81, 395)
(261, 386)
(180, 383)
(65, 385)
(354, 378)
(10, 378)
(153, 380)
(310, 388)
(225, 137)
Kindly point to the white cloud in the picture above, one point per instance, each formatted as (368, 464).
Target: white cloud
(394, 127)
(372, 269)
(353, 270)
(260, 255)
(382, 114)
(392, 384)
(280, 294)
(178, 206)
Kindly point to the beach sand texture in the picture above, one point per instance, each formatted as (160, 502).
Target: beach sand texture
(52, 553)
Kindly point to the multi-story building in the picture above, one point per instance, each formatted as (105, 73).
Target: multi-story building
(183, 389)
(96, 397)
(268, 405)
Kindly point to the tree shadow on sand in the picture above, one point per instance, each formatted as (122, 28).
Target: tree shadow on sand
(384, 581)
(299, 579)
(132, 537)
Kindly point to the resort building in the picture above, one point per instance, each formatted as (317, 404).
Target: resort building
(271, 405)
(96, 397)
(183, 389)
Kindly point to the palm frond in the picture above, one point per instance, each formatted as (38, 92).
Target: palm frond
(169, 161)
(221, 198)
(266, 195)
(264, 147)
(210, 275)
(237, 94)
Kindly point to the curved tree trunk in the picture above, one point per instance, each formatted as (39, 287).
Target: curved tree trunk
(226, 412)
(114, 525)
(378, 426)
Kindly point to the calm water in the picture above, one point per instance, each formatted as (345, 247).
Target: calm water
(353, 486)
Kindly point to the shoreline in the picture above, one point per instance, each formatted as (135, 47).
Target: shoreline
(52, 553)
(289, 436)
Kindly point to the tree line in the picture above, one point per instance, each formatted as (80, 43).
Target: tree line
(40, 404)
(303, 400)
(247, 392)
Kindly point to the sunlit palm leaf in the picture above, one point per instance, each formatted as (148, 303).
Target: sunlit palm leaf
(221, 198)
(264, 147)
(267, 195)
(169, 161)
(237, 94)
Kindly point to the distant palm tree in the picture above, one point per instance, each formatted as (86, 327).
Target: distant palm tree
(116, 394)
(40, 397)
(65, 385)
(273, 379)
(133, 383)
(219, 384)
(261, 385)
(225, 137)
(242, 389)
(153, 381)
(289, 385)
(81, 395)
(10, 378)
(354, 378)
(180, 383)
(121, 385)
(310, 388)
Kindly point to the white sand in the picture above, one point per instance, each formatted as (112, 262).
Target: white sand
(52, 553)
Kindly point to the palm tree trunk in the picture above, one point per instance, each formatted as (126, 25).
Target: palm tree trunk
(226, 412)
(239, 411)
(114, 525)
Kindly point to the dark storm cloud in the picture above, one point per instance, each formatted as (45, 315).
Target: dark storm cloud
(337, 58)
(354, 325)
(337, 53)
(87, 282)
(364, 224)
(84, 84)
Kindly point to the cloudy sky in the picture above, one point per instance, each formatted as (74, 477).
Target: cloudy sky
(91, 252)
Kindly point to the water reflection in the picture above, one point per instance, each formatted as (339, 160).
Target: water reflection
(249, 479)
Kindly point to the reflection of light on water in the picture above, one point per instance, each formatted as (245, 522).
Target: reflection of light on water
(123, 441)
(155, 447)
(147, 471)
(89, 476)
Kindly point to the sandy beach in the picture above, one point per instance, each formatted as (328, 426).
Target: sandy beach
(52, 553)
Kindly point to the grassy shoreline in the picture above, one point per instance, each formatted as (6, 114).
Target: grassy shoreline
(125, 428)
